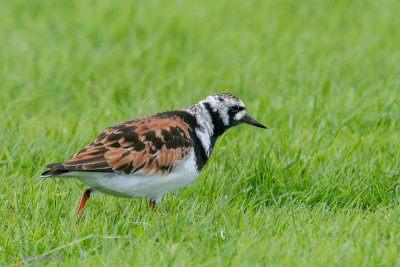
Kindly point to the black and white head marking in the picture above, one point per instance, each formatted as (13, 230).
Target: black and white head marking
(225, 107)
(215, 114)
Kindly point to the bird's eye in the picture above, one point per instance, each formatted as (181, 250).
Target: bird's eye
(235, 108)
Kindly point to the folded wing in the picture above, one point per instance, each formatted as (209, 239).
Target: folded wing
(150, 144)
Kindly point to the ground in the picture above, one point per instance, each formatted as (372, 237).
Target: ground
(320, 187)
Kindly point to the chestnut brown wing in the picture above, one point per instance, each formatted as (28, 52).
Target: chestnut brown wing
(150, 144)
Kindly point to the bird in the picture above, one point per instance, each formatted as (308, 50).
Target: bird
(151, 156)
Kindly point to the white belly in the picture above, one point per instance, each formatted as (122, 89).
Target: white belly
(139, 185)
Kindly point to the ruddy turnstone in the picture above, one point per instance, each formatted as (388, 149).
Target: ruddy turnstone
(153, 155)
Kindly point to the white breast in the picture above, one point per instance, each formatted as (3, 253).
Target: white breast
(139, 185)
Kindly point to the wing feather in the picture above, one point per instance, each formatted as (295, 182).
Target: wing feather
(151, 144)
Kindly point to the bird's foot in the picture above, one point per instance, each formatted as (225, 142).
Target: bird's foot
(153, 206)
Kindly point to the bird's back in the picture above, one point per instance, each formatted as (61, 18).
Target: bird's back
(151, 144)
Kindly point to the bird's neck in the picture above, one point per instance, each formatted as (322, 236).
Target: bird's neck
(209, 125)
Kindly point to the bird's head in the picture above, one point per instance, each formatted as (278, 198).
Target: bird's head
(229, 110)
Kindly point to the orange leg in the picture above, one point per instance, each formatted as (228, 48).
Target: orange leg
(153, 206)
(85, 196)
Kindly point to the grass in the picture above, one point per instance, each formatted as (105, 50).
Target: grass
(319, 188)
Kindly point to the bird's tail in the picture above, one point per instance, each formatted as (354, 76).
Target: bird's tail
(52, 172)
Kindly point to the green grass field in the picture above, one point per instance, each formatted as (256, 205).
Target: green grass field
(320, 187)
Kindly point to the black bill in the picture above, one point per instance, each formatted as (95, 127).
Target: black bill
(249, 120)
